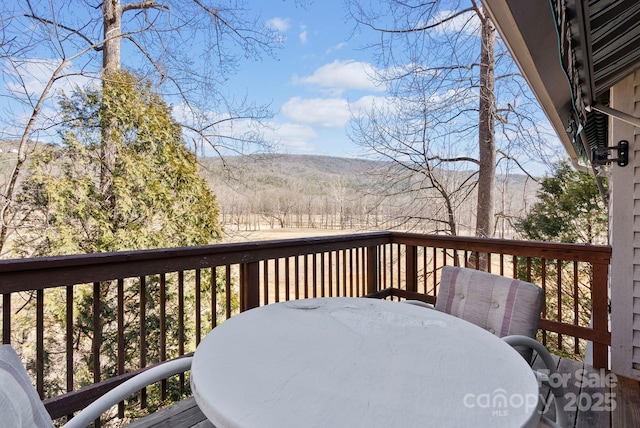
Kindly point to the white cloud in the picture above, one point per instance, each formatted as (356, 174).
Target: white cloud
(279, 24)
(332, 112)
(292, 137)
(365, 104)
(23, 82)
(467, 23)
(30, 77)
(337, 47)
(303, 36)
(325, 112)
(339, 76)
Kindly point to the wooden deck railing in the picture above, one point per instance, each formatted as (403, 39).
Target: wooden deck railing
(108, 316)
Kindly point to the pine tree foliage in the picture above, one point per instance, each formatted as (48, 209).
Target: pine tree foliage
(570, 209)
(156, 199)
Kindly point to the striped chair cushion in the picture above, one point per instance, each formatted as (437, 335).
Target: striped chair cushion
(20, 405)
(503, 306)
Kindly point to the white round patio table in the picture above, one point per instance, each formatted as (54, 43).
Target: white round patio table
(357, 362)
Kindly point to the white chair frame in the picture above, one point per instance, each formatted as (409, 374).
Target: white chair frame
(558, 391)
(125, 389)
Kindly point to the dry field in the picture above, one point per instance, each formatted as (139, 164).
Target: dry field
(279, 233)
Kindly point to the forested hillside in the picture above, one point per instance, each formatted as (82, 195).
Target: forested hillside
(305, 191)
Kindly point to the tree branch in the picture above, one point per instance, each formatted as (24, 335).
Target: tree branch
(146, 4)
(64, 27)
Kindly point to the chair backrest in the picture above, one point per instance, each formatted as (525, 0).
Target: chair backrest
(501, 305)
(20, 405)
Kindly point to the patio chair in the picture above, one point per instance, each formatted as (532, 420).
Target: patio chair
(562, 419)
(419, 303)
(503, 306)
(20, 405)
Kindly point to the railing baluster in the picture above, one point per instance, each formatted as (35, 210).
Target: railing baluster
(372, 270)
(97, 338)
(330, 273)
(559, 297)
(424, 269)
(435, 271)
(305, 266)
(181, 323)
(357, 258)
(120, 320)
(391, 281)
(576, 315)
(323, 278)
(163, 330)
(227, 291)
(344, 273)
(198, 314)
(399, 261)
(40, 342)
(354, 289)
(214, 297)
(543, 279)
(411, 268)
(296, 263)
(287, 278)
(385, 265)
(69, 336)
(6, 318)
(265, 279)
(276, 279)
(143, 335)
(315, 275)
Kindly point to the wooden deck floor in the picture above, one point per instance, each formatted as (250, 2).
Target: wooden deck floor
(590, 393)
(597, 398)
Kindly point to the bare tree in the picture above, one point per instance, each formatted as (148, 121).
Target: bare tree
(188, 48)
(439, 63)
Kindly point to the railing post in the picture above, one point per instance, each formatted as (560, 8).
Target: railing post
(600, 313)
(249, 286)
(6, 318)
(411, 268)
(372, 269)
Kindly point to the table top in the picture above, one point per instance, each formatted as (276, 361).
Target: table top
(357, 362)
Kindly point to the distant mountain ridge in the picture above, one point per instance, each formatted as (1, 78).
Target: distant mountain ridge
(285, 190)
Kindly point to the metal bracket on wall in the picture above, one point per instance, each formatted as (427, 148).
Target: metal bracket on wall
(601, 156)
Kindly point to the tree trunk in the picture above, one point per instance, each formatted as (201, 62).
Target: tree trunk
(486, 134)
(112, 19)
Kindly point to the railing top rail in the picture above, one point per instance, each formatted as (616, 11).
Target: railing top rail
(549, 250)
(43, 272)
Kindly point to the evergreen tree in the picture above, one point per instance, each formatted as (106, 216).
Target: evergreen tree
(155, 198)
(570, 209)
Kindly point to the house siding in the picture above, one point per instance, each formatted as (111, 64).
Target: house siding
(624, 216)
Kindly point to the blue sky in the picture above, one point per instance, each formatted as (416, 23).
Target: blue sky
(319, 74)
(320, 77)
